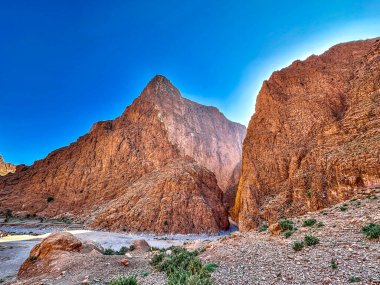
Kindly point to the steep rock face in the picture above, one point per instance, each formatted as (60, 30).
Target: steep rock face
(108, 161)
(315, 136)
(5, 167)
(198, 131)
(181, 196)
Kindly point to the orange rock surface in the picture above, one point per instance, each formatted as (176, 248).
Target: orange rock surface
(42, 255)
(5, 167)
(191, 143)
(314, 139)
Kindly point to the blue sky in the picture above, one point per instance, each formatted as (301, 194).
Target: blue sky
(67, 64)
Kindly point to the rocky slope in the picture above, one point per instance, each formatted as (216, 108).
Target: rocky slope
(179, 194)
(314, 139)
(342, 255)
(5, 167)
(160, 131)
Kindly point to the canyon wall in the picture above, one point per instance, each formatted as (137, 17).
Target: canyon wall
(314, 139)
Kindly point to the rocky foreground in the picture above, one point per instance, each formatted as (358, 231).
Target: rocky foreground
(336, 251)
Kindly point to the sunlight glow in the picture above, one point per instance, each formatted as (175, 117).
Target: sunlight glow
(257, 72)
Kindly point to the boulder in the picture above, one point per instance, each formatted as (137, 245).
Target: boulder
(43, 253)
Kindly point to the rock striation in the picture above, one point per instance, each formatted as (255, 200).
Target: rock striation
(179, 197)
(314, 139)
(5, 167)
(169, 155)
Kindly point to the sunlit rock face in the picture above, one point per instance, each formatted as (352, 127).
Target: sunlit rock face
(184, 151)
(314, 139)
(5, 167)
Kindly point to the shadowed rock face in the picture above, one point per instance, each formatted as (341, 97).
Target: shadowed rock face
(315, 136)
(181, 195)
(5, 167)
(189, 142)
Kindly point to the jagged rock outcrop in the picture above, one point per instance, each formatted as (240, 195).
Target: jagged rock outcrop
(5, 167)
(314, 139)
(160, 131)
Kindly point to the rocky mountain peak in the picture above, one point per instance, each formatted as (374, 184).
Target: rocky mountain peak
(164, 148)
(160, 88)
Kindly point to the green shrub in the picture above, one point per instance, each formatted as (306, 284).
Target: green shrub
(263, 228)
(320, 225)
(131, 280)
(309, 222)
(50, 199)
(372, 197)
(122, 251)
(8, 213)
(343, 208)
(66, 220)
(210, 267)
(334, 263)
(286, 225)
(354, 279)
(287, 234)
(183, 267)
(152, 248)
(311, 240)
(298, 245)
(371, 230)
(32, 258)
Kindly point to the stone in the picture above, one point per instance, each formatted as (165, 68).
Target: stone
(160, 138)
(3, 233)
(124, 261)
(314, 138)
(43, 253)
(140, 244)
(275, 229)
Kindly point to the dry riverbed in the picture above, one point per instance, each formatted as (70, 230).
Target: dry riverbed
(341, 255)
(25, 233)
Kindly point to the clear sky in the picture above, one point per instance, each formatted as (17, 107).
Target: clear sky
(67, 64)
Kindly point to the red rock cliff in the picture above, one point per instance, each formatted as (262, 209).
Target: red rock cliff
(161, 140)
(314, 139)
(5, 167)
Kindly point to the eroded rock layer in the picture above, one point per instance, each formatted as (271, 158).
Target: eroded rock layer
(109, 163)
(314, 139)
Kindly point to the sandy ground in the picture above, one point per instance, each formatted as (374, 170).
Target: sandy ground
(14, 249)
